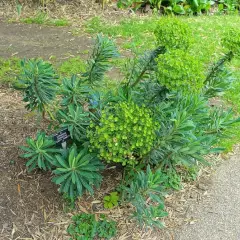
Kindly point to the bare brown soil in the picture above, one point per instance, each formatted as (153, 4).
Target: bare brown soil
(27, 40)
(26, 200)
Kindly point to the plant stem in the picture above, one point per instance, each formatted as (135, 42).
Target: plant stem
(227, 57)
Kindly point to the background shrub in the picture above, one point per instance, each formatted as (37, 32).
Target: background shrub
(173, 33)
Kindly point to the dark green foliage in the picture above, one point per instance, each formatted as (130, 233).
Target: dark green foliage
(173, 179)
(74, 91)
(150, 93)
(229, 6)
(125, 133)
(188, 7)
(107, 229)
(219, 78)
(38, 81)
(143, 68)
(182, 138)
(173, 33)
(198, 6)
(85, 227)
(220, 120)
(77, 172)
(158, 122)
(76, 120)
(145, 192)
(189, 130)
(98, 64)
(142, 85)
(40, 151)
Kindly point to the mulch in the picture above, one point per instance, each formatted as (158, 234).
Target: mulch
(32, 208)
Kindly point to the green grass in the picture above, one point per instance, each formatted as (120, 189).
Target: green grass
(233, 97)
(42, 18)
(9, 68)
(134, 32)
(72, 66)
(138, 33)
(233, 137)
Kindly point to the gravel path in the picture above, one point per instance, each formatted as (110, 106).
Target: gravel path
(217, 217)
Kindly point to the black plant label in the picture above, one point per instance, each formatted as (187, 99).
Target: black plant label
(61, 136)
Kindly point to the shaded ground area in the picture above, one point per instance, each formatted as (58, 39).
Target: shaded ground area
(29, 40)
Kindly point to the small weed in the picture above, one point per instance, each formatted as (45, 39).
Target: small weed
(111, 200)
(69, 203)
(18, 8)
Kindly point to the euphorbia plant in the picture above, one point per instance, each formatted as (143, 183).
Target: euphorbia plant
(125, 133)
(157, 121)
(77, 171)
(39, 84)
(40, 152)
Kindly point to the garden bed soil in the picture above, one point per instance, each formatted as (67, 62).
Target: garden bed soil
(32, 208)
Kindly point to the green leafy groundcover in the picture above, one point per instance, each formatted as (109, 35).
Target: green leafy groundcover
(158, 126)
(187, 7)
(86, 227)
